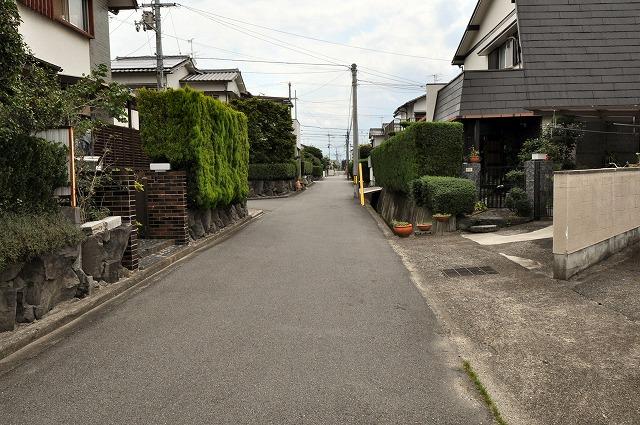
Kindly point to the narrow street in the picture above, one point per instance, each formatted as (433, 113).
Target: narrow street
(306, 316)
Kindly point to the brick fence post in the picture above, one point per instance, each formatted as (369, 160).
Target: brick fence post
(167, 206)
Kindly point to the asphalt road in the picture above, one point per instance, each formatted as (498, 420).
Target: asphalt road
(306, 316)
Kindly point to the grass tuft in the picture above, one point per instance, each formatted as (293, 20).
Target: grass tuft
(483, 392)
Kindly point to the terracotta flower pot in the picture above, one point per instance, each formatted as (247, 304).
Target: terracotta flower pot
(442, 218)
(403, 231)
(425, 227)
(475, 159)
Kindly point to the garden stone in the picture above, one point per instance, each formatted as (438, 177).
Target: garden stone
(226, 220)
(10, 272)
(7, 307)
(198, 230)
(92, 257)
(86, 284)
(233, 215)
(111, 271)
(489, 228)
(206, 220)
(116, 245)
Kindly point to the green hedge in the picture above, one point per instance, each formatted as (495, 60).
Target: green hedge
(307, 168)
(423, 149)
(444, 195)
(271, 138)
(286, 171)
(318, 171)
(30, 170)
(24, 237)
(202, 136)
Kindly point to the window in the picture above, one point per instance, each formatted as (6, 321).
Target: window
(75, 12)
(506, 56)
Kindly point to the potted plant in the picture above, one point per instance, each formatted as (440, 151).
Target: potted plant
(402, 228)
(474, 155)
(425, 227)
(442, 218)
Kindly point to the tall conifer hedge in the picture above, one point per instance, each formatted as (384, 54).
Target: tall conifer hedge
(423, 149)
(202, 136)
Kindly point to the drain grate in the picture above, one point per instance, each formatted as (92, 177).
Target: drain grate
(469, 271)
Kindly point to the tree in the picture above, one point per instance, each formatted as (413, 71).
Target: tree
(312, 152)
(365, 151)
(271, 138)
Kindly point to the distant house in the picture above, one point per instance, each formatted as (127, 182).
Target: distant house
(179, 71)
(422, 108)
(72, 35)
(376, 136)
(526, 61)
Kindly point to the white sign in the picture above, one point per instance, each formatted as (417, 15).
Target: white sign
(469, 170)
(160, 167)
(539, 156)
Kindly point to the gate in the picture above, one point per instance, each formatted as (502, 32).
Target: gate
(542, 190)
(494, 186)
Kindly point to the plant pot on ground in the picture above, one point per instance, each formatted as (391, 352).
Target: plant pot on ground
(425, 227)
(402, 228)
(442, 218)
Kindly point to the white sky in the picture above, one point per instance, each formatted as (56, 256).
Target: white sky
(427, 28)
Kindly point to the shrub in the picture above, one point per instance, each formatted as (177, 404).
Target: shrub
(518, 202)
(30, 170)
(307, 168)
(318, 171)
(516, 178)
(285, 171)
(365, 151)
(444, 195)
(202, 136)
(425, 148)
(558, 142)
(24, 237)
(270, 130)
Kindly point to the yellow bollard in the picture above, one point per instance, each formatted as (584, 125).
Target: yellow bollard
(361, 184)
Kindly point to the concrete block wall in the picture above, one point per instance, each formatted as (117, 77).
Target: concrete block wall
(167, 206)
(596, 213)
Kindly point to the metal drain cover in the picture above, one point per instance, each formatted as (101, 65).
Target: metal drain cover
(469, 271)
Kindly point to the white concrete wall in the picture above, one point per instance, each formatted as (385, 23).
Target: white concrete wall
(594, 212)
(55, 43)
(431, 100)
(496, 12)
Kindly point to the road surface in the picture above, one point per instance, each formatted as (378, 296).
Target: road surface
(305, 316)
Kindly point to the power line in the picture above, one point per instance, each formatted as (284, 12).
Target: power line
(268, 61)
(321, 40)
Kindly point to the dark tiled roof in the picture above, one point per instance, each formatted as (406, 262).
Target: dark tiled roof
(581, 53)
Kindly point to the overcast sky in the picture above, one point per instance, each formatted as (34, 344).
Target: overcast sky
(427, 31)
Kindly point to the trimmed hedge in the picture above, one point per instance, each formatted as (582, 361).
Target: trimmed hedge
(202, 136)
(30, 170)
(318, 171)
(423, 149)
(271, 138)
(286, 171)
(444, 195)
(24, 237)
(307, 168)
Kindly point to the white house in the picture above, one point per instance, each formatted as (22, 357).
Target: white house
(179, 71)
(70, 34)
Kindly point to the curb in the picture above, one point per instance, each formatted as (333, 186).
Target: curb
(288, 195)
(73, 316)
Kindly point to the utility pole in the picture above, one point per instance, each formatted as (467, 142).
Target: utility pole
(354, 114)
(156, 25)
(346, 168)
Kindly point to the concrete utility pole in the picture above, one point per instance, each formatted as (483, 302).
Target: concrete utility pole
(157, 27)
(346, 168)
(354, 114)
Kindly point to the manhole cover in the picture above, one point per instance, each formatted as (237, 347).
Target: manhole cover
(469, 271)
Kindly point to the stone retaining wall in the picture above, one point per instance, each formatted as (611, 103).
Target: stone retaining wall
(207, 222)
(398, 206)
(267, 188)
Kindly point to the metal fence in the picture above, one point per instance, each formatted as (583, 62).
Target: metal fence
(494, 186)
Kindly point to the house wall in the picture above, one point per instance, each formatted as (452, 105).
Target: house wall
(100, 50)
(431, 100)
(490, 27)
(55, 43)
(448, 101)
(596, 213)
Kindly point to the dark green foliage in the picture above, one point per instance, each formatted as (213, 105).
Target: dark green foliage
(285, 171)
(366, 175)
(30, 170)
(312, 151)
(12, 51)
(444, 195)
(425, 148)
(365, 151)
(24, 237)
(202, 136)
(518, 202)
(270, 128)
(516, 178)
(307, 168)
(557, 142)
(318, 171)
